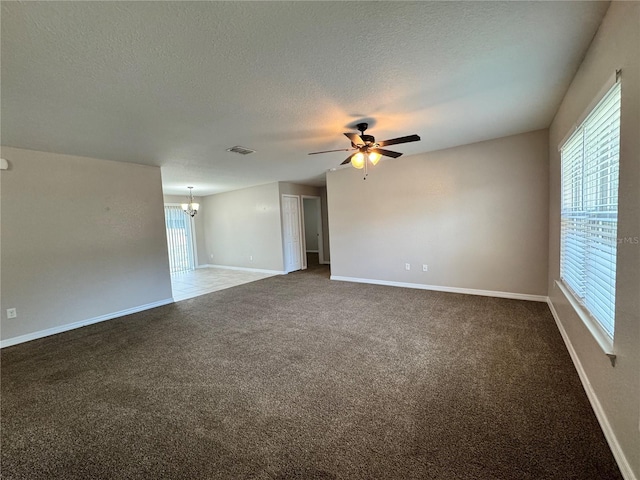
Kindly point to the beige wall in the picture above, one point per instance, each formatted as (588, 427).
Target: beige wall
(287, 188)
(247, 223)
(242, 224)
(617, 390)
(476, 215)
(81, 238)
(198, 224)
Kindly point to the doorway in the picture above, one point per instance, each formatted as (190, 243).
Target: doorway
(312, 227)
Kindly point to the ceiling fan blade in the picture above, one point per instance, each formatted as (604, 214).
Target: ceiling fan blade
(355, 138)
(386, 153)
(348, 159)
(329, 151)
(395, 141)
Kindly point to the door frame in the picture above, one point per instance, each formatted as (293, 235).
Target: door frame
(318, 201)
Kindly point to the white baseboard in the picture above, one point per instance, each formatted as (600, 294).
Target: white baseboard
(82, 323)
(246, 269)
(467, 291)
(609, 434)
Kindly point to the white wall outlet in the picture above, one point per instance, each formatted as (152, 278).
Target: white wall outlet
(407, 266)
(425, 268)
(211, 256)
(12, 313)
(251, 258)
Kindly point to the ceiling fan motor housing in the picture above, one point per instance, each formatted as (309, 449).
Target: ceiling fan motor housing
(368, 139)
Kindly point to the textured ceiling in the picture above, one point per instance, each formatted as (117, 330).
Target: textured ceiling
(175, 84)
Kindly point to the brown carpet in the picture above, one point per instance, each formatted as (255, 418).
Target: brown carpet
(298, 377)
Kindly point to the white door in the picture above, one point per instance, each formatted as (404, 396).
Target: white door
(291, 233)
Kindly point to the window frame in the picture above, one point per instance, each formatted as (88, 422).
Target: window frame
(598, 331)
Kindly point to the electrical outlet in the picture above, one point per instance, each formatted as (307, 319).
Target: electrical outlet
(211, 256)
(425, 268)
(251, 258)
(407, 266)
(12, 313)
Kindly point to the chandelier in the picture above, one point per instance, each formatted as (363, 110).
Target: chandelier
(191, 208)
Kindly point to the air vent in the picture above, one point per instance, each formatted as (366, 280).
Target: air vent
(240, 150)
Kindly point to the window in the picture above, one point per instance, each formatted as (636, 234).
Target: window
(589, 212)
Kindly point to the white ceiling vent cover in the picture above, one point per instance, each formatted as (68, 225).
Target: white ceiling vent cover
(240, 150)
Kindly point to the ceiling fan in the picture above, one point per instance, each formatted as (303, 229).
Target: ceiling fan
(366, 147)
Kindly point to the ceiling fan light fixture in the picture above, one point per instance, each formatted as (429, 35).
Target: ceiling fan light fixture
(374, 157)
(367, 149)
(358, 160)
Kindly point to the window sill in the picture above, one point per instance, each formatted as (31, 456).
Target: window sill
(603, 340)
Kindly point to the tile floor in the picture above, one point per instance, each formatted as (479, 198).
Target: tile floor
(206, 280)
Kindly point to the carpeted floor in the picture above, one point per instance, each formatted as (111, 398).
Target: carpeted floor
(298, 377)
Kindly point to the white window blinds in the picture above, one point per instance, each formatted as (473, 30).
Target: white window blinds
(179, 239)
(589, 211)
